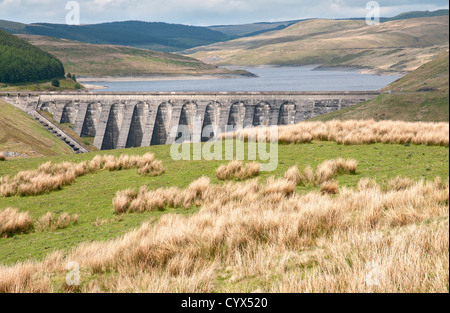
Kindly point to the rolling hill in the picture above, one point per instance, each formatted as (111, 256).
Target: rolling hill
(23, 62)
(154, 36)
(422, 95)
(248, 30)
(417, 14)
(395, 46)
(110, 60)
(163, 36)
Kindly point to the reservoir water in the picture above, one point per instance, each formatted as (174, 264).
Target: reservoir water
(305, 78)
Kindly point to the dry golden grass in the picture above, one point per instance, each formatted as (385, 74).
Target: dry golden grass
(50, 177)
(325, 171)
(330, 187)
(52, 221)
(251, 234)
(150, 200)
(236, 170)
(14, 222)
(356, 132)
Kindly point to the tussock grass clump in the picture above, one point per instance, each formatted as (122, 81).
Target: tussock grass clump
(326, 171)
(149, 200)
(399, 183)
(356, 132)
(367, 184)
(154, 168)
(51, 221)
(297, 242)
(2, 157)
(331, 168)
(330, 187)
(293, 175)
(236, 170)
(196, 194)
(14, 222)
(50, 177)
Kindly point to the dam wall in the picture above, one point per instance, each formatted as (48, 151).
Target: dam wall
(125, 120)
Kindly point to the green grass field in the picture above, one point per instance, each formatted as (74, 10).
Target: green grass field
(91, 196)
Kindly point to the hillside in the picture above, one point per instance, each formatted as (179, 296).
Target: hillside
(253, 29)
(248, 30)
(23, 62)
(395, 46)
(154, 36)
(422, 95)
(19, 133)
(109, 60)
(417, 14)
(432, 76)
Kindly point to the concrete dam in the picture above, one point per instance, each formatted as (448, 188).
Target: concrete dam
(125, 120)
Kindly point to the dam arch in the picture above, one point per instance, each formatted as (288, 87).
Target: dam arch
(187, 116)
(236, 115)
(162, 123)
(89, 128)
(68, 114)
(137, 127)
(211, 118)
(112, 131)
(287, 114)
(261, 116)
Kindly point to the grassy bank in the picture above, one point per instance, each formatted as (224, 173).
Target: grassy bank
(21, 134)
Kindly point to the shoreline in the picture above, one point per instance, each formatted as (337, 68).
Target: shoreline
(131, 78)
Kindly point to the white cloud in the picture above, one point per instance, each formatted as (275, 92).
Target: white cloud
(202, 12)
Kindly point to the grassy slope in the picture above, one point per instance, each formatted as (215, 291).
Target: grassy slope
(91, 196)
(249, 29)
(401, 45)
(432, 76)
(20, 133)
(109, 60)
(411, 104)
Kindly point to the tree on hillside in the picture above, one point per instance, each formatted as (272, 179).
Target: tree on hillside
(23, 62)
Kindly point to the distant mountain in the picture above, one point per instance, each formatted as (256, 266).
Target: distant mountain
(166, 37)
(395, 46)
(417, 14)
(248, 30)
(153, 36)
(22, 62)
(254, 29)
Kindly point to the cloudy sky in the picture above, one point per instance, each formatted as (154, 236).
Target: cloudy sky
(203, 12)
